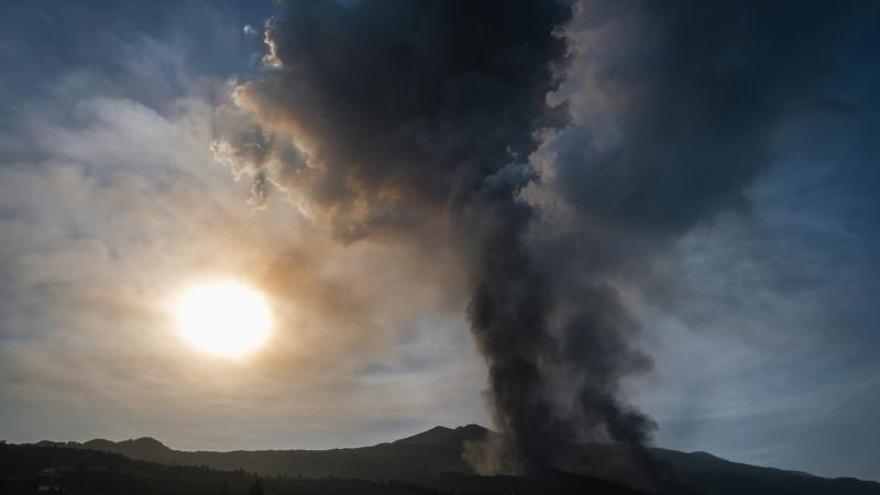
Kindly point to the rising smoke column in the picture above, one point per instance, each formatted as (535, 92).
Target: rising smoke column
(674, 109)
(566, 144)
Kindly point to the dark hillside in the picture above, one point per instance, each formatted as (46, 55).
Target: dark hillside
(27, 469)
(434, 457)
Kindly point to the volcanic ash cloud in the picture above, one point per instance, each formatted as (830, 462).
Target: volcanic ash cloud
(563, 146)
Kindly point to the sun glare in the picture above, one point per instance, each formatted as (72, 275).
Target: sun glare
(226, 319)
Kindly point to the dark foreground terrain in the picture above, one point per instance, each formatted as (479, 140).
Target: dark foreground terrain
(30, 469)
(427, 463)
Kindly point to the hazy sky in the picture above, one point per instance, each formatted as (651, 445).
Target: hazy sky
(762, 321)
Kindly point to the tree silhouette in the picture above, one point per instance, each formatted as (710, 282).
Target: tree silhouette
(257, 488)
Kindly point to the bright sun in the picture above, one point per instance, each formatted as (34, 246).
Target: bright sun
(227, 319)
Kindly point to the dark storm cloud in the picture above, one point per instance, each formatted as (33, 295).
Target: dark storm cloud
(406, 110)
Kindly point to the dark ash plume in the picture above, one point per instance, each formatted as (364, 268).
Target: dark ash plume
(402, 110)
(674, 109)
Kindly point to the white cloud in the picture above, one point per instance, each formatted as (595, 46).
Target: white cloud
(123, 205)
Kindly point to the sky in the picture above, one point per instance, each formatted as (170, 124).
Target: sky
(704, 200)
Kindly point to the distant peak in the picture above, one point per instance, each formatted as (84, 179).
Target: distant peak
(443, 434)
(704, 454)
(147, 441)
(142, 445)
(473, 428)
(98, 442)
(428, 436)
(438, 429)
(136, 448)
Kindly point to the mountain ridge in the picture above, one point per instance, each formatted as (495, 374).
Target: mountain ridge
(438, 451)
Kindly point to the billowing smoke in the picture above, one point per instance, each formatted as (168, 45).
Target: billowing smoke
(565, 144)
